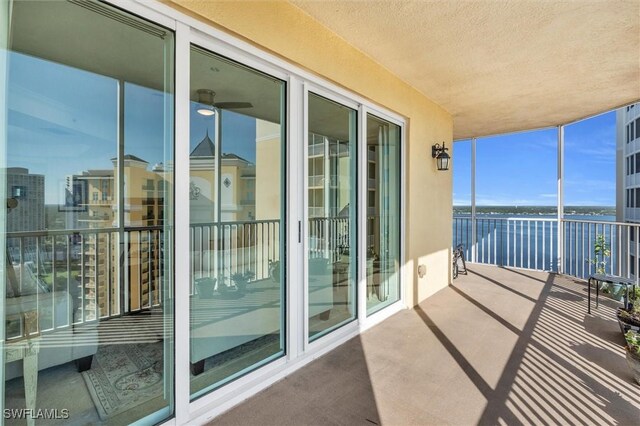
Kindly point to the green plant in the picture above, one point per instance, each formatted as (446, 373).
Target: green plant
(633, 342)
(602, 252)
(635, 308)
(371, 253)
(205, 287)
(241, 279)
(630, 316)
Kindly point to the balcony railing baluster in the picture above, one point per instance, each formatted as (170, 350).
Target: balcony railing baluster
(531, 243)
(109, 276)
(150, 273)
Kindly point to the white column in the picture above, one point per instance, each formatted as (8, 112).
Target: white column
(473, 201)
(560, 239)
(295, 219)
(218, 231)
(362, 192)
(181, 229)
(123, 266)
(303, 344)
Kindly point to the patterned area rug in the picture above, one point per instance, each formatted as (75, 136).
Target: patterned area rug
(124, 376)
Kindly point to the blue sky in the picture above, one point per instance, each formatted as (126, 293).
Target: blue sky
(63, 121)
(238, 134)
(520, 168)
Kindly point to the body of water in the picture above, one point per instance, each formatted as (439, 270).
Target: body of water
(530, 240)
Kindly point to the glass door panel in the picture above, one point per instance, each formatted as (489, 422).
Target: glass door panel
(89, 214)
(383, 213)
(237, 220)
(331, 186)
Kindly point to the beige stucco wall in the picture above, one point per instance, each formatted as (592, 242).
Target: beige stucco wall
(284, 30)
(268, 173)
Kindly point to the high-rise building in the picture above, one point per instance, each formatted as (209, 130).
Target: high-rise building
(25, 196)
(628, 143)
(328, 160)
(27, 191)
(138, 235)
(628, 173)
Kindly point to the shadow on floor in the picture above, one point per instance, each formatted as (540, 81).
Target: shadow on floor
(335, 389)
(498, 347)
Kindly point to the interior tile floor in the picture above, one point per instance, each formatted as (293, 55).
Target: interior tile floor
(499, 346)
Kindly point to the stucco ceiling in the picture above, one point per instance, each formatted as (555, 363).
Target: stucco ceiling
(500, 66)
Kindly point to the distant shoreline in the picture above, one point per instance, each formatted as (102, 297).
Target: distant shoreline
(538, 210)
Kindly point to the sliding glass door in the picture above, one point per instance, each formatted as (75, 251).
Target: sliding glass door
(5, 8)
(383, 213)
(90, 175)
(89, 215)
(332, 212)
(236, 200)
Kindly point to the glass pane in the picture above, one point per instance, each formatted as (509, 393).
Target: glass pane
(461, 158)
(591, 145)
(4, 35)
(383, 213)
(462, 176)
(237, 220)
(332, 215)
(515, 213)
(88, 314)
(590, 185)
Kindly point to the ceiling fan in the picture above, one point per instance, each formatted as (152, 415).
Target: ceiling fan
(206, 98)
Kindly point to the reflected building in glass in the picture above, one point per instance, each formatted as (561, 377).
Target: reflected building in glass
(94, 194)
(26, 192)
(238, 185)
(383, 213)
(236, 216)
(89, 208)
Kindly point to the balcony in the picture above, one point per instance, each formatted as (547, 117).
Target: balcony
(547, 244)
(246, 246)
(517, 349)
(508, 345)
(499, 346)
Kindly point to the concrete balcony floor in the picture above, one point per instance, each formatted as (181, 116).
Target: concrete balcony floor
(499, 346)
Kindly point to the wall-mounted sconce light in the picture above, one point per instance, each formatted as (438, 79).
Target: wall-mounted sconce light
(440, 154)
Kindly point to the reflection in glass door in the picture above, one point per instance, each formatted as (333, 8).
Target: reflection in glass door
(331, 238)
(383, 213)
(237, 220)
(88, 214)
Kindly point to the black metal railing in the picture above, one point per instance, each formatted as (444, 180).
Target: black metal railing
(223, 249)
(328, 237)
(532, 243)
(82, 275)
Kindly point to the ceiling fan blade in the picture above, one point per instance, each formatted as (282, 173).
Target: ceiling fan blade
(233, 105)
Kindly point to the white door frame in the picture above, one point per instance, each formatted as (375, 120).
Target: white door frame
(299, 82)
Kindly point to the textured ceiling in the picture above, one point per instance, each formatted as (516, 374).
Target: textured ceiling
(500, 66)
